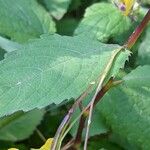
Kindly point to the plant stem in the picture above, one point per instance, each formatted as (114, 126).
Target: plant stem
(64, 124)
(138, 31)
(100, 91)
(84, 114)
(78, 137)
(131, 41)
(68, 145)
(40, 135)
(102, 78)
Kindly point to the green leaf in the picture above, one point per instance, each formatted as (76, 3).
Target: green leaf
(57, 8)
(146, 1)
(100, 143)
(104, 21)
(126, 108)
(98, 125)
(24, 19)
(19, 125)
(144, 49)
(52, 69)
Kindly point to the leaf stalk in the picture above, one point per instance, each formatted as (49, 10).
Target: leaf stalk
(138, 31)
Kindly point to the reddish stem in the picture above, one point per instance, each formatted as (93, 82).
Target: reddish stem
(83, 118)
(78, 137)
(131, 41)
(138, 31)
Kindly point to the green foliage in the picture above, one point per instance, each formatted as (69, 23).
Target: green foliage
(144, 49)
(98, 143)
(24, 19)
(57, 8)
(126, 108)
(19, 125)
(146, 1)
(104, 21)
(43, 73)
(98, 125)
(52, 69)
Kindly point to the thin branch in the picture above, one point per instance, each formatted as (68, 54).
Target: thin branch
(100, 91)
(138, 31)
(61, 129)
(85, 112)
(99, 87)
(78, 137)
(131, 41)
(40, 135)
(68, 145)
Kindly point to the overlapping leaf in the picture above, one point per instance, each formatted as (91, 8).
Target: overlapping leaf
(24, 19)
(19, 125)
(126, 108)
(104, 21)
(57, 8)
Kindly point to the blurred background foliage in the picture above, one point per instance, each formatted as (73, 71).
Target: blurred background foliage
(25, 130)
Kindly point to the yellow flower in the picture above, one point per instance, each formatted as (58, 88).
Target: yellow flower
(128, 6)
(47, 145)
(13, 149)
